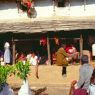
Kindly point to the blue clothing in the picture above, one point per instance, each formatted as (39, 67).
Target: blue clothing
(85, 73)
(7, 56)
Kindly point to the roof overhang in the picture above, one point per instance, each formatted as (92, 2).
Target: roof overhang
(40, 26)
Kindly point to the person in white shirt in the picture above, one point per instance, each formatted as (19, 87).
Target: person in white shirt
(92, 84)
(34, 62)
(33, 59)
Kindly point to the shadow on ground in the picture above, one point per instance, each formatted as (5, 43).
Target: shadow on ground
(40, 91)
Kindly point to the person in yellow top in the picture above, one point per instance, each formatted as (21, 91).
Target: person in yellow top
(61, 59)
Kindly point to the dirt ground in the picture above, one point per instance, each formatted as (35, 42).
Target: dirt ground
(50, 80)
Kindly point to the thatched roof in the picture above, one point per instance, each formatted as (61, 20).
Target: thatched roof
(47, 25)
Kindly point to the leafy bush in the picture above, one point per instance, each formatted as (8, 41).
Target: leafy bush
(4, 72)
(22, 69)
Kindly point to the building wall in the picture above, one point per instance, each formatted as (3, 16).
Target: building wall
(45, 8)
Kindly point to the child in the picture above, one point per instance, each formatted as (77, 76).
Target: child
(92, 84)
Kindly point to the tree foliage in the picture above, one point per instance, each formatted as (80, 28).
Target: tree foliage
(22, 69)
(4, 72)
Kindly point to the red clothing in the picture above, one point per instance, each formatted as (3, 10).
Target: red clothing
(29, 4)
(70, 49)
(22, 57)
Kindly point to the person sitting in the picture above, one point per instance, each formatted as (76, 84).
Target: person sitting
(72, 52)
(61, 59)
(83, 83)
(92, 84)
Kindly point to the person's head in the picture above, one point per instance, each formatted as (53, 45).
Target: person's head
(92, 80)
(6, 45)
(33, 54)
(84, 59)
(63, 45)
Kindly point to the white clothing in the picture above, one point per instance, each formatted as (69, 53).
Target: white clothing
(25, 90)
(92, 89)
(34, 60)
(7, 56)
(7, 45)
(28, 57)
(7, 53)
(93, 50)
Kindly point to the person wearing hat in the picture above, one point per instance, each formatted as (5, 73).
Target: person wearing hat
(85, 73)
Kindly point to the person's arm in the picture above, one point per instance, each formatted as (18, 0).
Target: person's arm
(81, 80)
(72, 87)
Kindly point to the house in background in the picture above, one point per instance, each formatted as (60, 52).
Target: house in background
(69, 20)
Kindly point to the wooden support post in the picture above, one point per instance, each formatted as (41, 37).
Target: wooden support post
(13, 61)
(81, 45)
(48, 49)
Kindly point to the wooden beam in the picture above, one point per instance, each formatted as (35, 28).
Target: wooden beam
(13, 44)
(81, 45)
(48, 49)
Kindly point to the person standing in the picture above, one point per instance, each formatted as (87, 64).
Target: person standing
(7, 53)
(81, 86)
(61, 59)
(34, 62)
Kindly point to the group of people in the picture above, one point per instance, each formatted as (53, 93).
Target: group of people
(64, 56)
(32, 58)
(86, 83)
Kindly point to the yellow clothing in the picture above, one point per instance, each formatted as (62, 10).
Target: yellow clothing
(61, 57)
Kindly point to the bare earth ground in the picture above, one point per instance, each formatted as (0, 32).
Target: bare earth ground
(50, 81)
